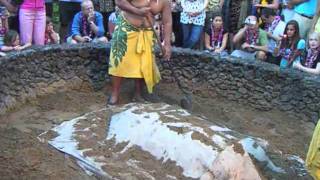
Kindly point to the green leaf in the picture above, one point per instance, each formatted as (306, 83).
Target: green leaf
(119, 40)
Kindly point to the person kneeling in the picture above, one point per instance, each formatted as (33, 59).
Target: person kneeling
(256, 40)
(87, 25)
(12, 42)
(311, 61)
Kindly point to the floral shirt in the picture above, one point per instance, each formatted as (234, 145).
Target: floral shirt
(193, 6)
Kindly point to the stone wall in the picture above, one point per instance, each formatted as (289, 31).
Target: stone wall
(42, 70)
(258, 84)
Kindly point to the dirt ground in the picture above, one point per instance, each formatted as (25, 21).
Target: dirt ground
(20, 127)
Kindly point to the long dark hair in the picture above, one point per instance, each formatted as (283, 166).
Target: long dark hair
(10, 37)
(295, 39)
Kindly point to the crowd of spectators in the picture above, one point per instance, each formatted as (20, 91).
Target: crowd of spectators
(283, 32)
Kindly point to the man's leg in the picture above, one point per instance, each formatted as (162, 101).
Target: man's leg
(116, 82)
(138, 88)
(103, 39)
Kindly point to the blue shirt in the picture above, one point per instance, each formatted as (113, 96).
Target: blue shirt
(307, 8)
(77, 29)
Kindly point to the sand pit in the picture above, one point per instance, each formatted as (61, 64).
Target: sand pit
(159, 141)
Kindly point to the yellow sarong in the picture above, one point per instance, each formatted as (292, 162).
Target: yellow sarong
(313, 156)
(132, 53)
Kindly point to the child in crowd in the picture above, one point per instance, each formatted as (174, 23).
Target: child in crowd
(311, 61)
(4, 27)
(291, 45)
(12, 42)
(216, 37)
(51, 37)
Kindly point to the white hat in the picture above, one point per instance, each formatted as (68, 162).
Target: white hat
(250, 21)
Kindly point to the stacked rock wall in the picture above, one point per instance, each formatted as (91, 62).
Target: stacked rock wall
(42, 70)
(258, 84)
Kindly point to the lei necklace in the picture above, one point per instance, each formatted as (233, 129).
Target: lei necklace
(3, 29)
(311, 57)
(272, 27)
(286, 53)
(86, 31)
(216, 38)
(252, 37)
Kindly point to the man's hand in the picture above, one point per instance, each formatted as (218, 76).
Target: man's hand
(248, 47)
(144, 11)
(90, 17)
(245, 45)
(86, 39)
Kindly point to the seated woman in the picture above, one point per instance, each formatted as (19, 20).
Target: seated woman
(12, 42)
(290, 46)
(311, 62)
(216, 37)
(51, 37)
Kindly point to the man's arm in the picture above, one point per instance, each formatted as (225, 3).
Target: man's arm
(167, 28)
(75, 29)
(98, 28)
(261, 48)
(125, 5)
(240, 34)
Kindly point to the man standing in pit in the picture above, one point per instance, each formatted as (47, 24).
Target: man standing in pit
(133, 41)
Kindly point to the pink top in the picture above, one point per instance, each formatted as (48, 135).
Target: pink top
(33, 5)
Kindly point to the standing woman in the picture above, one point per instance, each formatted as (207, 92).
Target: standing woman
(192, 19)
(32, 17)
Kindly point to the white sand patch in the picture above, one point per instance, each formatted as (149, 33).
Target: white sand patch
(219, 140)
(156, 138)
(189, 126)
(139, 125)
(67, 144)
(219, 129)
(172, 116)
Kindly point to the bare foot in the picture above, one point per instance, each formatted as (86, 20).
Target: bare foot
(112, 100)
(137, 98)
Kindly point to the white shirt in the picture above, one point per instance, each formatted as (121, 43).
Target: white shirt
(278, 31)
(193, 6)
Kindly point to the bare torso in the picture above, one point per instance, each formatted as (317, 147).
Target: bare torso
(140, 21)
